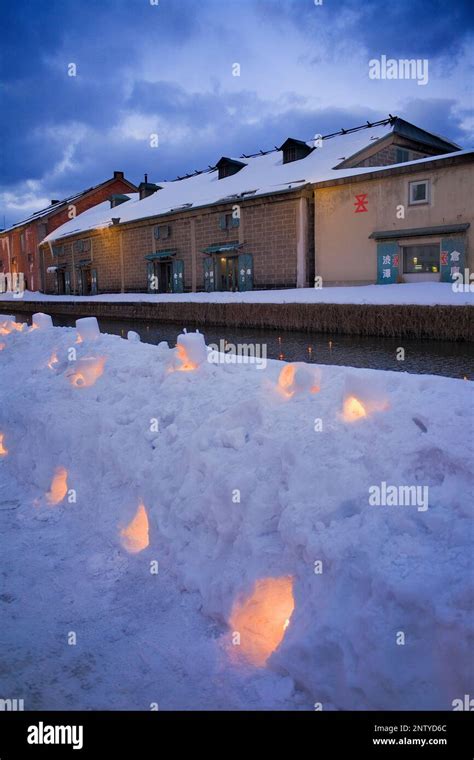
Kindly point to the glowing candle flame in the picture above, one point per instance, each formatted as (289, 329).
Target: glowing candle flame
(58, 489)
(3, 450)
(353, 409)
(135, 536)
(262, 618)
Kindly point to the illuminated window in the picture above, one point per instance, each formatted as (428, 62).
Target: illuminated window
(421, 258)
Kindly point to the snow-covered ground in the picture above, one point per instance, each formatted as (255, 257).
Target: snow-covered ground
(423, 293)
(243, 478)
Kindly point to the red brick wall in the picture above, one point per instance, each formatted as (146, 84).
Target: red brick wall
(45, 225)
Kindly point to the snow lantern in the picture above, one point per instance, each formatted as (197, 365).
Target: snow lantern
(58, 489)
(133, 336)
(262, 618)
(363, 394)
(135, 536)
(191, 350)
(87, 329)
(297, 378)
(41, 320)
(86, 371)
(353, 409)
(3, 450)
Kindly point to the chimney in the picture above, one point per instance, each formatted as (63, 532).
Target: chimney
(115, 220)
(53, 202)
(118, 175)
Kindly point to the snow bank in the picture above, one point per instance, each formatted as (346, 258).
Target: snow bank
(242, 483)
(423, 293)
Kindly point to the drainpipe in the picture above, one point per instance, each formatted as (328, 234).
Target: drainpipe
(313, 200)
(193, 256)
(301, 242)
(122, 275)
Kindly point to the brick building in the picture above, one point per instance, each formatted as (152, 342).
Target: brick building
(19, 244)
(248, 222)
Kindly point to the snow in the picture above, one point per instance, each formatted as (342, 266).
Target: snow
(184, 444)
(421, 293)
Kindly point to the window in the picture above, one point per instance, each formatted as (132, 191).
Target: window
(419, 192)
(402, 155)
(30, 258)
(226, 221)
(421, 258)
(58, 250)
(82, 246)
(162, 232)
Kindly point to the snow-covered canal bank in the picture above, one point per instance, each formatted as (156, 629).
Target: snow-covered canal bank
(199, 535)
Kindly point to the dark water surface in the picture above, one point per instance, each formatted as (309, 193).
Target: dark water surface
(421, 356)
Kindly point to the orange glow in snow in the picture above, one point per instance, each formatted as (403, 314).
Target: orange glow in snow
(289, 381)
(7, 326)
(286, 379)
(353, 409)
(3, 450)
(58, 489)
(135, 535)
(2, 346)
(262, 618)
(53, 360)
(186, 364)
(88, 370)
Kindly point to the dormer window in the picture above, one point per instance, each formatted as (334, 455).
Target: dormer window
(294, 150)
(228, 166)
(117, 199)
(145, 188)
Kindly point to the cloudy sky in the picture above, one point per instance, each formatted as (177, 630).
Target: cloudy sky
(166, 68)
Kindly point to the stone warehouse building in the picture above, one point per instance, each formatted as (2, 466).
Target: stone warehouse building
(338, 207)
(19, 244)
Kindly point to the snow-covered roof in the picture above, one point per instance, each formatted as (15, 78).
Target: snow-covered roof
(57, 205)
(262, 174)
(94, 218)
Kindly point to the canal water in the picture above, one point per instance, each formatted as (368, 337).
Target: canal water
(421, 356)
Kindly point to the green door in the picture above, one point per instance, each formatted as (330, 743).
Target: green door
(452, 258)
(388, 263)
(94, 282)
(178, 276)
(208, 266)
(149, 276)
(245, 271)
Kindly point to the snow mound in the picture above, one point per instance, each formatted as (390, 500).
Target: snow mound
(228, 484)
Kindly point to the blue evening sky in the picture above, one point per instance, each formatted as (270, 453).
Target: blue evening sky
(167, 69)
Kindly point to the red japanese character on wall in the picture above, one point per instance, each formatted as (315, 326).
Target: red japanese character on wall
(361, 203)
